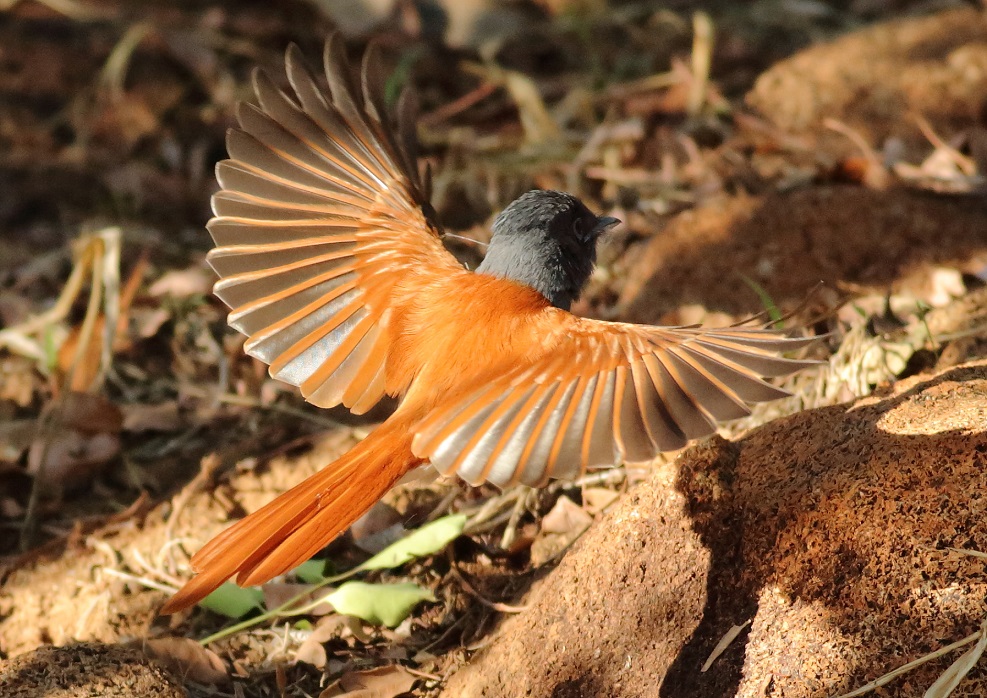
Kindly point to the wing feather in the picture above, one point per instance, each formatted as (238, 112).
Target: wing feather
(603, 392)
(502, 465)
(320, 218)
(564, 455)
(534, 458)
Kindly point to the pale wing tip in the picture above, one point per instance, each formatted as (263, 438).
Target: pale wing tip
(295, 66)
(293, 56)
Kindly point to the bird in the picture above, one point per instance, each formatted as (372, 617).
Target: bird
(332, 262)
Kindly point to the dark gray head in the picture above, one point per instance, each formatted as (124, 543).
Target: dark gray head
(546, 240)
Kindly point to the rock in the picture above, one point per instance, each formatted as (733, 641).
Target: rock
(789, 242)
(875, 79)
(831, 532)
(83, 670)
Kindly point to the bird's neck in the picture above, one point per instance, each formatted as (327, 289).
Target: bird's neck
(543, 266)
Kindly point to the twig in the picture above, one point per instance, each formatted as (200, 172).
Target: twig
(510, 531)
(905, 668)
(702, 59)
(964, 164)
(144, 581)
(246, 401)
(461, 104)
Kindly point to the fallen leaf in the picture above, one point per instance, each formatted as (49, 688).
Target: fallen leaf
(945, 285)
(427, 540)
(15, 438)
(597, 499)
(90, 412)
(383, 682)
(566, 517)
(232, 601)
(379, 604)
(185, 657)
(311, 651)
(67, 458)
(125, 121)
(194, 281)
(147, 321)
(81, 437)
(18, 380)
(138, 418)
(10, 508)
(377, 529)
(559, 529)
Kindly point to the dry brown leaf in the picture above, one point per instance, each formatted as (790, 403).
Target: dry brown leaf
(164, 416)
(377, 529)
(84, 369)
(597, 499)
(311, 651)
(18, 380)
(66, 458)
(944, 286)
(382, 682)
(182, 283)
(125, 121)
(187, 658)
(15, 438)
(90, 413)
(147, 321)
(566, 517)
(83, 435)
(946, 170)
(559, 529)
(10, 508)
(536, 121)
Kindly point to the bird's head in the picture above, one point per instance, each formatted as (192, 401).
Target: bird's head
(546, 240)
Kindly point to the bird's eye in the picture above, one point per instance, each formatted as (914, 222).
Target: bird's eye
(578, 226)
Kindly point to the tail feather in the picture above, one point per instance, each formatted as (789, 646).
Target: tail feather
(289, 530)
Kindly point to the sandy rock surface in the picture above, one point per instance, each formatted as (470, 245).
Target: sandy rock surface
(789, 242)
(830, 532)
(877, 79)
(84, 670)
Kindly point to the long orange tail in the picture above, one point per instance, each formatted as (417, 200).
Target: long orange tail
(299, 523)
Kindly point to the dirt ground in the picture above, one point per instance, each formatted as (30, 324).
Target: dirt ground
(836, 534)
(843, 144)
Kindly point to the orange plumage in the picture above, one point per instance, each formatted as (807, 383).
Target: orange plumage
(333, 266)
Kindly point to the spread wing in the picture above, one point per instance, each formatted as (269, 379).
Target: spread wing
(605, 391)
(321, 215)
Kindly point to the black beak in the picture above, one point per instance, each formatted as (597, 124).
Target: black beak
(603, 224)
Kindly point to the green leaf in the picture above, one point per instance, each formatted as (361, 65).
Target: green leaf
(232, 601)
(770, 307)
(401, 76)
(379, 604)
(312, 572)
(427, 540)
